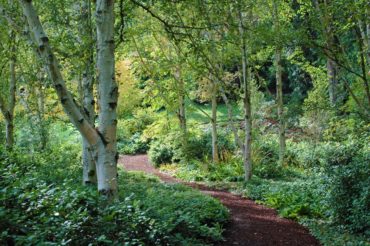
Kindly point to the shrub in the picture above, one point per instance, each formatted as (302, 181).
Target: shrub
(160, 153)
(265, 159)
(140, 120)
(135, 145)
(200, 145)
(348, 169)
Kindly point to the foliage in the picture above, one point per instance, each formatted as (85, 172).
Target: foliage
(185, 212)
(198, 147)
(129, 97)
(161, 152)
(41, 206)
(200, 144)
(349, 174)
(135, 145)
(139, 121)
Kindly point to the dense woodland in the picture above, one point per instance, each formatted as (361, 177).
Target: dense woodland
(267, 99)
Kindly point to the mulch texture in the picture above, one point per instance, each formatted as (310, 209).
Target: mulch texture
(250, 223)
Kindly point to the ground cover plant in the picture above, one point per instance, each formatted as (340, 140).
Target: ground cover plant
(42, 202)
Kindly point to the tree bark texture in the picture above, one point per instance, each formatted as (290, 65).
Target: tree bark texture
(181, 102)
(215, 154)
(87, 92)
(108, 95)
(52, 66)
(247, 157)
(103, 140)
(280, 105)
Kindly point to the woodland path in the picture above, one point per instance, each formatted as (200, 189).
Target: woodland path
(250, 223)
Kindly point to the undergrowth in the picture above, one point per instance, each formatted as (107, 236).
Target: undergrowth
(43, 203)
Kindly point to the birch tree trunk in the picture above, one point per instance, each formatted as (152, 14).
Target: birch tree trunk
(52, 66)
(9, 120)
(87, 92)
(247, 157)
(279, 84)
(108, 94)
(331, 67)
(215, 154)
(181, 102)
(280, 105)
(103, 140)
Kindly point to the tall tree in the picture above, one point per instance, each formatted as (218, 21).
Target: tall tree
(102, 141)
(279, 81)
(246, 78)
(87, 88)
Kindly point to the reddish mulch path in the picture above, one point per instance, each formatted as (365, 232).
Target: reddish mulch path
(250, 223)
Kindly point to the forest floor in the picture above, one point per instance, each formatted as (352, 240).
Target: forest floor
(250, 223)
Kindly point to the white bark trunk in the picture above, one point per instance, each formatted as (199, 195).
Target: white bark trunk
(108, 95)
(103, 141)
(181, 103)
(87, 92)
(332, 76)
(215, 154)
(279, 84)
(280, 106)
(247, 157)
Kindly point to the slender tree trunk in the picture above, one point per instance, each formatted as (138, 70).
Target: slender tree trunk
(279, 84)
(247, 157)
(182, 108)
(215, 154)
(9, 127)
(331, 67)
(280, 105)
(12, 90)
(368, 41)
(108, 95)
(87, 93)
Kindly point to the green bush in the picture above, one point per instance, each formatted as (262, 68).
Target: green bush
(169, 148)
(199, 146)
(160, 153)
(137, 124)
(265, 156)
(135, 145)
(349, 176)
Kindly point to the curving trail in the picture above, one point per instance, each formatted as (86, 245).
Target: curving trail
(250, 223)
